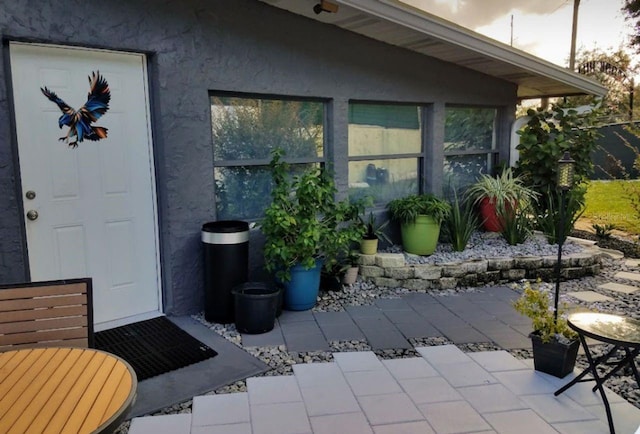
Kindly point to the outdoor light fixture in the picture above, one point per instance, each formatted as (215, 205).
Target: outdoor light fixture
(566, 169)
(325, 6)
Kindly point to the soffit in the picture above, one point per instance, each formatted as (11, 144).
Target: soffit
(396, 23)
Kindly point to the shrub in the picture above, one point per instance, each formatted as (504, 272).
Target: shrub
(516, 223)
(545, 139)
(535, 303)
(460, 224)
(547, 213)
(407, 209)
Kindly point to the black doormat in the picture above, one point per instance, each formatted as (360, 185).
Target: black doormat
(153, 347)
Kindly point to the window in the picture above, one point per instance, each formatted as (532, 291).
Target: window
(245, 129)
(385, 149)
(469, 145)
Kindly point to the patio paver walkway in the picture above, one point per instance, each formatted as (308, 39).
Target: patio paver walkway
(483, 316)
(443, 391)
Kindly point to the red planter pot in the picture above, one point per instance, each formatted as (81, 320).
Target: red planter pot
(489, 214)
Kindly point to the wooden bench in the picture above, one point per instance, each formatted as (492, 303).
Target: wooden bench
(44, 314)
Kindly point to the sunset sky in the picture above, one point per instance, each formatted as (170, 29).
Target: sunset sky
(540, 27)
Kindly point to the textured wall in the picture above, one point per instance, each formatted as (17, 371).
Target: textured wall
(236, 45)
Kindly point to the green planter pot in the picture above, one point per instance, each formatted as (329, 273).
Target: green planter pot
(420, 237)
(369, 246)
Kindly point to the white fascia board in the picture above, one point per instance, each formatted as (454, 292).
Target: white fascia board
(435, 27)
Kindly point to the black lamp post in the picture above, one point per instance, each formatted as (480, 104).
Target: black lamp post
(565, 182)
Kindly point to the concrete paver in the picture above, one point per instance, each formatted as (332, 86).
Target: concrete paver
(442, 391)
(628, 276)
(359, 393)
(619, 287)
(381, 339)
(165, 424)
(589, 296)
(453, 417)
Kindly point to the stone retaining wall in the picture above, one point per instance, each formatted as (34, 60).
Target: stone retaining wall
(390, 270)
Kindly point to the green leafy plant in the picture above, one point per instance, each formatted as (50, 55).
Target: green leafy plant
(505, 188)
(304, 222)
(545, 139)
(536, 303)
(461, 223)
(516, 223)
(408, 208)
(603, 231)
(374, 230)
(547, 213)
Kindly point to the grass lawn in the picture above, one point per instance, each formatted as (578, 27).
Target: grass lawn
(608, 203)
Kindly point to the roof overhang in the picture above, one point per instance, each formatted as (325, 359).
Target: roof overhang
(399, 24)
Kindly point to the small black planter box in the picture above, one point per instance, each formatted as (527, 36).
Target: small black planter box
(554, 358)
(256, 304)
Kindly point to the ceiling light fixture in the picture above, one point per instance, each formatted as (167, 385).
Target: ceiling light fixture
(325, 6)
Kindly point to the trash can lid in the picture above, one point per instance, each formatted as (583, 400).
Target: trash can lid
(226, 226)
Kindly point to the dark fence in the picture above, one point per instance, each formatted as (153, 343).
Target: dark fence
(616, 152)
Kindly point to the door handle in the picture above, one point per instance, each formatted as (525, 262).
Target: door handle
(32, 214)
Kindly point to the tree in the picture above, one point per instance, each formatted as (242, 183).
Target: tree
(632, 9)
(614, 71)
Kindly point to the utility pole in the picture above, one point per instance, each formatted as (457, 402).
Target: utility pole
(574, 31)
(512, 30)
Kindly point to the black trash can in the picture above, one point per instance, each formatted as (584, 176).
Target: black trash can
(226, 265)
(256, 304)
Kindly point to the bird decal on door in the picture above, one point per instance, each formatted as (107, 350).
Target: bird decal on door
(79, 121)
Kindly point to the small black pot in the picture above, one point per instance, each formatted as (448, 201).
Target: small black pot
(330, 282)
(554, 358)
(256, 304)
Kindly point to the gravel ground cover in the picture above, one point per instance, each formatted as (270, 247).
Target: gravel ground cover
(364, 293)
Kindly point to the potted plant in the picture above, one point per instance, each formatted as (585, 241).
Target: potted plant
(555, 345)
(305, 228)
(503, 191)
(373, 233)
(351, 268)
(420, 216)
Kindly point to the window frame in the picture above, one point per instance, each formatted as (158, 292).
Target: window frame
(264, 162)
(493, 154)
(419, 156)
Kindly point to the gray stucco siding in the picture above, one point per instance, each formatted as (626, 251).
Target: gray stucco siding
(199, 46)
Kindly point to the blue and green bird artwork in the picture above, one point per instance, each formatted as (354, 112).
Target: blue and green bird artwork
(79, 121)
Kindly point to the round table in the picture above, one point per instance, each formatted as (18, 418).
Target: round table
(621, 332)
(65, 390)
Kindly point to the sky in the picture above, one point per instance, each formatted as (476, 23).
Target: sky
(540, 27)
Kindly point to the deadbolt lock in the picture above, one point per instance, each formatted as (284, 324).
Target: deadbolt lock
(30, 194)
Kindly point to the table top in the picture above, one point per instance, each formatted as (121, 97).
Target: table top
(63, 390)
(613, 329)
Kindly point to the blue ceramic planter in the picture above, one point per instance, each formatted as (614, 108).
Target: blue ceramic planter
(301, 292)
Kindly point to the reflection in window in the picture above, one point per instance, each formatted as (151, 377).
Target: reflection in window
(244, 132)
(385, 142)
(469, 144)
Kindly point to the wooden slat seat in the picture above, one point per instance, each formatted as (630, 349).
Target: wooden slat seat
(64, 391)
(44, 314)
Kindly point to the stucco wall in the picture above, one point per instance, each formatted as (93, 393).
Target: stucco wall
(236, 45)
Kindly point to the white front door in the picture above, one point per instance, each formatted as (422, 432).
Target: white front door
(95, 204)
